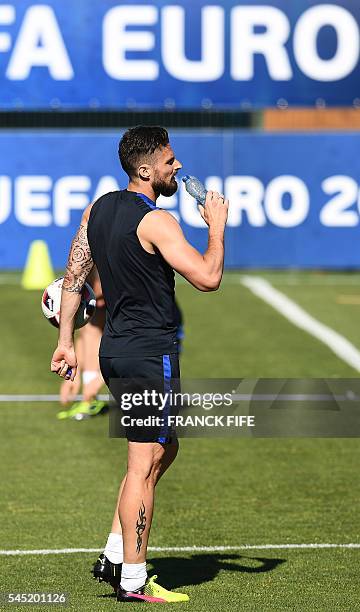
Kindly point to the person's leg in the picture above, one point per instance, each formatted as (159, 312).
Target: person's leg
(92, 381)
(116, 525)
(137, 499)
(170, 453)
(87, 349)
(88, 373)
(113, 550)
(146, 463)
(145, 467)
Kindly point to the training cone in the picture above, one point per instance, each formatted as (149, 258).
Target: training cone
(38, 271)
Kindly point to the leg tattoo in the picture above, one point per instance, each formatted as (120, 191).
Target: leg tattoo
(140, 527)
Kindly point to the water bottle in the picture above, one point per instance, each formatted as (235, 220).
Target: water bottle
(195, 188)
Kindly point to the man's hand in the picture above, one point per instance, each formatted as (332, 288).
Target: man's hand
(215, 211)
(63, 359)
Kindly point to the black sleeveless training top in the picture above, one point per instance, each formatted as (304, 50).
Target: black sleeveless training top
(138, 287)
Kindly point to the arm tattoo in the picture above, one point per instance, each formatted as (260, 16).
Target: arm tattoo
(140, 527)
(79, 262)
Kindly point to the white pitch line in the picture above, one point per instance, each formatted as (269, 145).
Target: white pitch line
(237, 397)
(10, 279)
(43, 398)
(289, 309)
(67, 551)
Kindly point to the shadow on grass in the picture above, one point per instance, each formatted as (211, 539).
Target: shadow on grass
(175, 572)
(185, 571)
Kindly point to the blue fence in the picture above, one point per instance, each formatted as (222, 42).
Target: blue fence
(294, 198)
(231, 54)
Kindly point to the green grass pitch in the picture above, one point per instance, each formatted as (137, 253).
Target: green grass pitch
(59, 479)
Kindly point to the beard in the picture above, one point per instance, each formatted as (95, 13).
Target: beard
(164, 188)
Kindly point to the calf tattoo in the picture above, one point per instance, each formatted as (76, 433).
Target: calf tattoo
(140, 527)
(79, 263)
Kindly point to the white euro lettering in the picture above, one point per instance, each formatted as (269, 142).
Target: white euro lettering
(117, 41)
(305, 42)
(246, 43)
(211, 65)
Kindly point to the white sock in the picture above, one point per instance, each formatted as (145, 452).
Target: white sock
(114, 548)
(133, 576)
(89, 375)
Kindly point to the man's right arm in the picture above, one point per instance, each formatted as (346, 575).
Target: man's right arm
(202, 271)
(79, 265)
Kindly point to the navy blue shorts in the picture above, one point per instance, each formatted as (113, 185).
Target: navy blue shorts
(130, 375)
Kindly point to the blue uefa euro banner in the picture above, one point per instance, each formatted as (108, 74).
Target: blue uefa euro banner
(294, 199)
(189, 54)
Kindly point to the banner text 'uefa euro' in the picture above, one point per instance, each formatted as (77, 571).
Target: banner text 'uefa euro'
(40, 36)
(285, 201)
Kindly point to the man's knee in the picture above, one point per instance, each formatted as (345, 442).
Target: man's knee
(171, 450)
(145, 459)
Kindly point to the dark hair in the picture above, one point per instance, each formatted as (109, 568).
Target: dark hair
(139, 142)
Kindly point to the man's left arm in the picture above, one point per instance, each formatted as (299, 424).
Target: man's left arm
(79, 265)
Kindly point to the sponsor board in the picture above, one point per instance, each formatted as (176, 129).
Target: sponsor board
(190, 54)
(294, 199)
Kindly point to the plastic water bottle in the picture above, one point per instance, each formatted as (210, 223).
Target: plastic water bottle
(195, 188)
